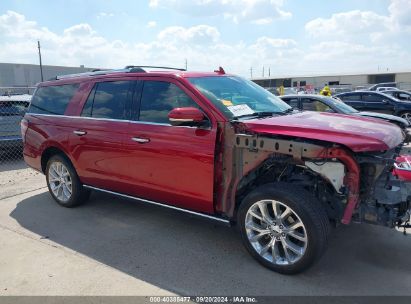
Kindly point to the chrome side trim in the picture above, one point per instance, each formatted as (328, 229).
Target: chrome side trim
(160, 204)
(110, 119)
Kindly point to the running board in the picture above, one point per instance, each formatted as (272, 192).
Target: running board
(215, 218)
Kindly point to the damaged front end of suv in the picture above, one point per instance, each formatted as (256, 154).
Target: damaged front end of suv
(358, 186)
(285, 174)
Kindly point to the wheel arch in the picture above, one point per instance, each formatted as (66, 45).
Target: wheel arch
(278, 171)
(49, 152)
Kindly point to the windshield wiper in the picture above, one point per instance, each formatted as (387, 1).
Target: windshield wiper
(289, 110)
(264, 114)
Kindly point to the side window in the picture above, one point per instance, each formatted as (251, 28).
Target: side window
(372, 98)
(108, 100)
(293, 102)
(52, 99)
(315, 105)
(403, 96)
(351, 97)
(159, 98)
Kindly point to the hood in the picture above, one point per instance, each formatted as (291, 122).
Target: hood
(357, 133)
(388, 117)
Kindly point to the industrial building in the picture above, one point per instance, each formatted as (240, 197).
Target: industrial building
(27, 75)
(350, 80)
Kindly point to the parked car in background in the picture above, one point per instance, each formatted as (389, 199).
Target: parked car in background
(382, 89)
(321, 103)
(370, 101)
(288, 91)
(399, 94)
(340, 90)
(12, 110)
(273, 91)
(383, 84)
(221, 147)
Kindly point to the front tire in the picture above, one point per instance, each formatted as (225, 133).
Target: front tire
(63, 182)
(406, 116)
(283, 227)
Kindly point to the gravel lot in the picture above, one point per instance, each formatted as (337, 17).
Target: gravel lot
(114, 246)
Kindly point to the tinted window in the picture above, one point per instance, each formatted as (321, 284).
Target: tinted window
(52, 99)
(108, 100)
(403, 96)
(159, 98)
(353, 97)
(292, 102)
(89, 104)
(315, 105)
(372, 98)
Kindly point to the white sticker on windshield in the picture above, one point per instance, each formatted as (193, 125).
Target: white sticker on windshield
(240, 110)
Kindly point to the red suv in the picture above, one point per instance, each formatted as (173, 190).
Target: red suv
(217, 146)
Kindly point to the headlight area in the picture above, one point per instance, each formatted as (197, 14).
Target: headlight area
(385, 189)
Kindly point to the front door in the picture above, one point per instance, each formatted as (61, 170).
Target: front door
(170, 164)
(377, 103)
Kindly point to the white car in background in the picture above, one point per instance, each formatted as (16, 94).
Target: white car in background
(382, 89)
(12, 110)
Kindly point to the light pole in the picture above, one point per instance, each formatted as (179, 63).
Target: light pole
(41, 65)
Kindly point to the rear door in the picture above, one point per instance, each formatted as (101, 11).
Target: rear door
(377, 103)
(354, 100)
(170, 164)
(96, 137)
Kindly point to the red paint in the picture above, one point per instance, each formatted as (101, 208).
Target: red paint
(403, 174)
(357, 133)
(192, 114)
(351, 180)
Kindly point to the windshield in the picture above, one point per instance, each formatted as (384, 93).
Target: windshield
(237, 97)
(341, 106)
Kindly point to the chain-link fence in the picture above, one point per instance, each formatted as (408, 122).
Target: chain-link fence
(12, 110)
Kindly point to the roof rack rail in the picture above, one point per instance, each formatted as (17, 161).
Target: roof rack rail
(127, 69)
(142, 67)
(92, 73)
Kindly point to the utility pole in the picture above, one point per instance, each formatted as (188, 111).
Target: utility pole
(269, 71)
(251, 72)
(41, 64)
(263, 71)
(186, 63)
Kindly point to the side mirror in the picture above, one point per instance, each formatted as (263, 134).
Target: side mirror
(187, 116)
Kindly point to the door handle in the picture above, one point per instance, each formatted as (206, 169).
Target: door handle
(79, 132)
(140, 140)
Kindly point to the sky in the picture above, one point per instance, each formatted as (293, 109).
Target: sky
(283, 37)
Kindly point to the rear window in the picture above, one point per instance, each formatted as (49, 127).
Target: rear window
(108, 100)
(372, 98)
(52, 99)
(353, 97)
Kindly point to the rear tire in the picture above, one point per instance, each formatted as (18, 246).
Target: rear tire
(63, 182)
(283, 227)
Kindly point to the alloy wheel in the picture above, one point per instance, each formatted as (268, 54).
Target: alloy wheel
(406, 116)
(60, 181)
(276, 232)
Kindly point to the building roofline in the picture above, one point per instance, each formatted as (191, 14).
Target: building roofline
(329, 75)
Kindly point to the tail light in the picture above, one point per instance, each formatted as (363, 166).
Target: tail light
(24, 125)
